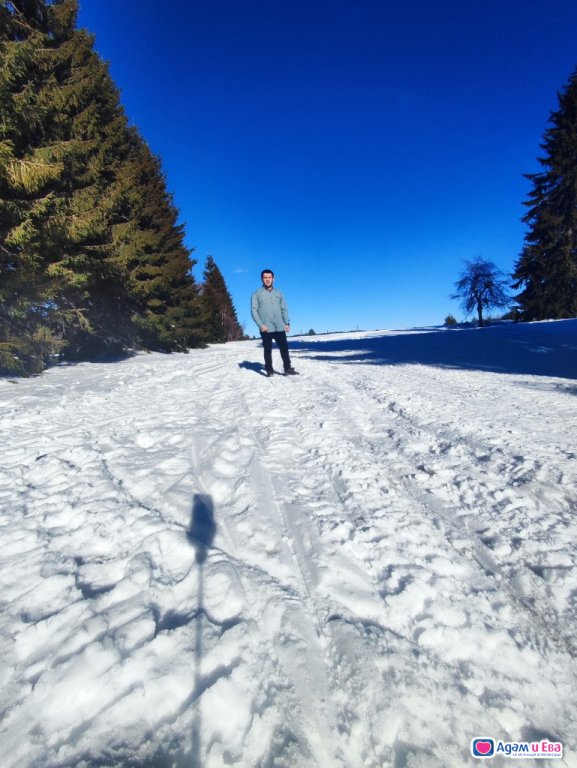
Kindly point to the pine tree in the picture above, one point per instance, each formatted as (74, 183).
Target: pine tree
(27, 170)
(62, 118)
(547, 268)
(92, 258)
(149, 245)
(221, 321)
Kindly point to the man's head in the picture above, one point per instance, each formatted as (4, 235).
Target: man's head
(267, 277)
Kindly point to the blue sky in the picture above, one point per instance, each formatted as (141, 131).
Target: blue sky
(362, 149)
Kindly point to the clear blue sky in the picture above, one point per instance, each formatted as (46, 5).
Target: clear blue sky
(360, 148)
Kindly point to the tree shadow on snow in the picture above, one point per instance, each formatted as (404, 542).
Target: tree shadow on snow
(200, 533)
(537, 349)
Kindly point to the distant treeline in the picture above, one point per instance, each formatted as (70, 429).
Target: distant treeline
(92, 257)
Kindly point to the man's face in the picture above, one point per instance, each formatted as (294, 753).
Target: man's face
(267, 280)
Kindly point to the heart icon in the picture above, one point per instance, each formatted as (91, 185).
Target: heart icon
(483, 747)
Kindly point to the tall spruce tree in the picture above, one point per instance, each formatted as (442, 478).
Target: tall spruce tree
(62, 124)
(29, 171)
(91, 256)
(221, 321)
(547, 268)
(149, 245)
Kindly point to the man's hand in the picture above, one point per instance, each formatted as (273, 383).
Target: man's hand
(264, 328)
(287, 328)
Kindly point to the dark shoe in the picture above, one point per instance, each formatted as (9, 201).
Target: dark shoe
(269, 373)
(290, 372)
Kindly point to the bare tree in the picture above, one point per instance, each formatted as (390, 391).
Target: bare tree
(481, 286)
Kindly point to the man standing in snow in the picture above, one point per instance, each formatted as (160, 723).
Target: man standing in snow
(270, 313)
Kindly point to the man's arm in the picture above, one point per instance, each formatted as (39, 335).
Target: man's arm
(284, 312)
(254, 312)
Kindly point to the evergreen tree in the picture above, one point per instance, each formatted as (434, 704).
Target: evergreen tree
(149, 248)
(62, 121)
(27, 309)
(481, 286)
(547, 268)
(221, 321)
(91, 256)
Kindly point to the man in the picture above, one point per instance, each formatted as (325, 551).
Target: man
(270, 313)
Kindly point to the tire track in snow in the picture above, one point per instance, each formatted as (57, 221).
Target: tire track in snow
(359, 638)
(419, 470)
(332, 643)
(297, 642)
(355, 454)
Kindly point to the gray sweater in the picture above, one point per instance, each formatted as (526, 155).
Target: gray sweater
(269, 308)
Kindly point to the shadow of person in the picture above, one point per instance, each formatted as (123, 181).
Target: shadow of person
(202, 528)
(200, 533)
(250, 366)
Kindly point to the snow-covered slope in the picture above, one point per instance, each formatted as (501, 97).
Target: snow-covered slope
(370, 564)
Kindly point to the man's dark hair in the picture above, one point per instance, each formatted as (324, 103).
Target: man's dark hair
(266, 272)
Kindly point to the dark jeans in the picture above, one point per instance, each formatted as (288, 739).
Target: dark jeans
(282, 344)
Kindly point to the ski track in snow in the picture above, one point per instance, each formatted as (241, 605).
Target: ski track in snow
(393, 569)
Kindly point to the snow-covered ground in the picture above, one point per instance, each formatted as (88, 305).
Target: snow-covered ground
(370, 564)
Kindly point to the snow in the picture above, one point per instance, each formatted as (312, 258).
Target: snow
(370, 564)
